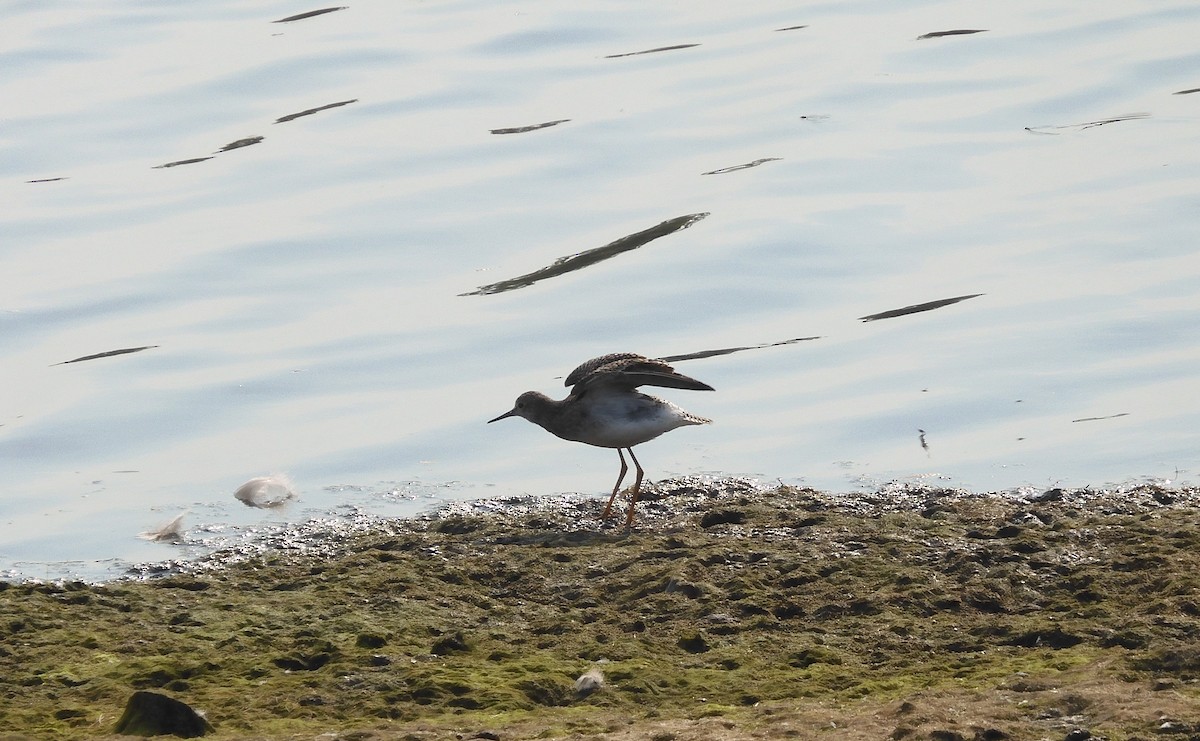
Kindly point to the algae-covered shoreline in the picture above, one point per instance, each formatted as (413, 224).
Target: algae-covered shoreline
(730, 611)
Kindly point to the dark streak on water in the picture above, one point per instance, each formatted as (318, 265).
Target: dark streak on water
(251, 140)
(586, 258)
(248, 141)
(1088, 124)
(955, 32)
(177, 163)
(651, 51)
(532, 127)
(318, 109)
(746, 166)
(730, 350)
(1097, 419)
(915, 308)
(310, 14)
(108, 354)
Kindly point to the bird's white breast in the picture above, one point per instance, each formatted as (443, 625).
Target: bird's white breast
(622, 420)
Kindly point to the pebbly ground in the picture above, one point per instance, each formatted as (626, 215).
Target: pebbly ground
(730, 611)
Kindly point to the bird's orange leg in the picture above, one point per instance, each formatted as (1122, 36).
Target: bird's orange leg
(637, 487)
(617, 487)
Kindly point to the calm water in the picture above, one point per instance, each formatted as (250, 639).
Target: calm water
(312, 293)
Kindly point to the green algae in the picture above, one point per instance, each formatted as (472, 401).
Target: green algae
(787, 606)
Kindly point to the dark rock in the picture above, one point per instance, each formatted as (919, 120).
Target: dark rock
(454, 643)
(1162, 497)
(370, 640)
(1051, 495)
(694, 644)
(722, 517)
(152, 714)
(1078, 734)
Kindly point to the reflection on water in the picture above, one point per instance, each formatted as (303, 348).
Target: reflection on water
(747, 166)
(107, 354)
(309, 14)
(1087, 124)
(730, 350)
(958, 32)
(580, 260)
(917, 308)
(650, 51)
(303, 298)
(532, 127)
(311, 111)
(177, 163)
(248, 141)
(1097, 419)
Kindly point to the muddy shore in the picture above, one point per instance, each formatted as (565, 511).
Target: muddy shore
(731, 611)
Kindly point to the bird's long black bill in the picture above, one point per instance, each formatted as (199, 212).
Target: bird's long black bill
(509, 413)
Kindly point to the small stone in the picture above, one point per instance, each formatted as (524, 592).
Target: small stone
(1078, 734)
(152, 714)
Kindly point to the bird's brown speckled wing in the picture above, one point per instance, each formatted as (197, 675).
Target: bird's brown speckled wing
(587, 367)
(628, 371)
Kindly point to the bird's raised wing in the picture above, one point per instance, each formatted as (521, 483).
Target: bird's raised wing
(587, 367)
(628, 371)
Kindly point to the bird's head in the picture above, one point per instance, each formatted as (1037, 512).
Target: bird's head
(529, 405)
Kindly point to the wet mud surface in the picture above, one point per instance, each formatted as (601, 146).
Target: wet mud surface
(730, 611)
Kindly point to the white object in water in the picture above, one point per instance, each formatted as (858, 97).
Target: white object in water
(266, 491)
(170, 532)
